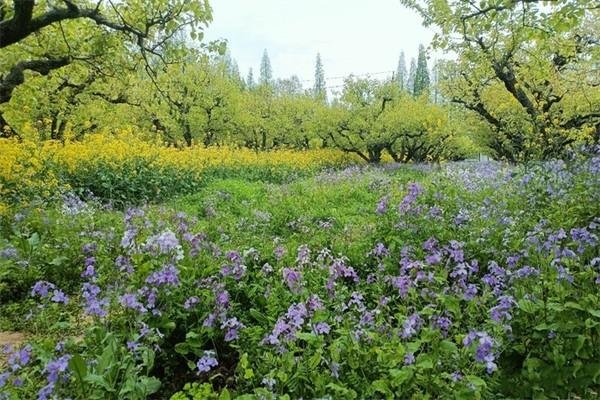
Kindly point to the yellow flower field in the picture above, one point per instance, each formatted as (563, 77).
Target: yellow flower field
(29, 169)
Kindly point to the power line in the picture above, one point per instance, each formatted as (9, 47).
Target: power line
(354, 75)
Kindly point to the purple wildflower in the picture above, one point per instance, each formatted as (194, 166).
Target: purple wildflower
(93, 305)
(58, 296)
(411, 325)
(232, 325)
(207, 362)
(45, 392)
(124, 264)
(279, 252)
(484, 352)
(293, 279)
(322, 328)
(379, 251)
(3, 378)
(89, 248)
(168, 275)
(130, 300)
(382, 205)
(191, 302)
(303, 257)
(42, 288)
(56, 367)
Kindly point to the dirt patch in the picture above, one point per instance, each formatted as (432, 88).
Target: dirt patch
(8, 338)
(14, 339)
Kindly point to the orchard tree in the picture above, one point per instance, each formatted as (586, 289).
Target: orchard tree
(354, 123)
(418, 130)
(528, 68)
(38, 37)
(291, 86)
(200, 98)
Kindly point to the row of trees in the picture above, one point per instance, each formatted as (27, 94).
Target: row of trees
(524, 83)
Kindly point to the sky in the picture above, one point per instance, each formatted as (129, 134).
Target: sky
(353, 36)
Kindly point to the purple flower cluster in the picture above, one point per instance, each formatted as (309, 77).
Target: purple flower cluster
(130, 300)
(207, 362)
(54, 370)
(94, 306)
(382, 205)
(414, 190)
(293, 279)
(232, 327)
(288, 325)
(500, 312)
(236, 269)
(45, 289)
(167, 276)
(411, 326)
(484, 352)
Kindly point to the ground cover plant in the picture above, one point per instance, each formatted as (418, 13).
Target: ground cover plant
(462, 280)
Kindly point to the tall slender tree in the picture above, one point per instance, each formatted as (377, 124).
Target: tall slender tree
(266, 72)
(422, 80)
(319, 87)
(436, 96)
(250, 79)
(410, 81)
(401, 71)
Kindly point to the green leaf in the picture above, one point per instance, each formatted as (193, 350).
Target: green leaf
(381, 386)
(426, 363)
(399, 376)
(99, 380)
(528, 306)
(448, 347)
(79, 368)
(576, 306)
(476, 381)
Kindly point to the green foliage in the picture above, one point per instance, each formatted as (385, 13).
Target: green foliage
(528, 70)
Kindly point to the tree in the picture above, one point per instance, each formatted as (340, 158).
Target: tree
(42, 36)
(266, 72)
(291, 86)
(250, 79)
(527, 68)
(354, 121)
(319, 90)
(421, 84)
(436, 96)
(410, 82)
(401, 72)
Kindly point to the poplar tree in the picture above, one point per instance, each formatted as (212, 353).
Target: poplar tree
(401, 72)
(319, 87)
(421, 83)
(266, 72)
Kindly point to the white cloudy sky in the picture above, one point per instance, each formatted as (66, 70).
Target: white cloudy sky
(353, 36)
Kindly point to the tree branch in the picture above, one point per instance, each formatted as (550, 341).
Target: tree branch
(16, 75)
